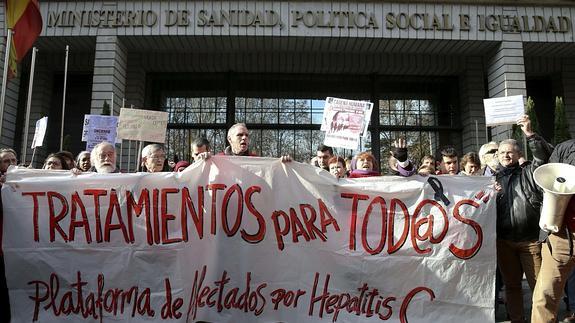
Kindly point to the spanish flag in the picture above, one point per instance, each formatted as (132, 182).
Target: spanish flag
(25, 20)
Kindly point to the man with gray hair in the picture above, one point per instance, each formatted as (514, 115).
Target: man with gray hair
(153, 158)
(7, 158)
(518, 205)
(103, 158)
(238, 137)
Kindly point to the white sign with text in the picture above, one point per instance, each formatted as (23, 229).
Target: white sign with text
(143, 125)
(345, 121)
(504, 110)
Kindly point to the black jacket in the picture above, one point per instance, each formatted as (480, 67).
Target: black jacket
(519, 201)
(564, 153)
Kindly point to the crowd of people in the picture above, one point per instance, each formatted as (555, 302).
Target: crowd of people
(520, 251)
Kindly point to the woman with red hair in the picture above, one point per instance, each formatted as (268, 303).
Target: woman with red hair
(365, 166)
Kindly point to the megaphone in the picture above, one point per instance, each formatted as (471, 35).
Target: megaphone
(558, 183)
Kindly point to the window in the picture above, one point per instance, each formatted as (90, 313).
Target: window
(184, 116)
(284, 113)
(419, 118)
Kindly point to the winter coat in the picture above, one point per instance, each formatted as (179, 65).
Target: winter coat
(519, 200)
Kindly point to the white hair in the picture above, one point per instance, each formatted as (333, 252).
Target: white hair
(237, 125)
(95, 158)
(150, 149)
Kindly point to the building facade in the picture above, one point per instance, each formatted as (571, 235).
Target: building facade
(426, 66)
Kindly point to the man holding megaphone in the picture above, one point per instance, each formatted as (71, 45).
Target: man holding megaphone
(558, 182)
(518, 203)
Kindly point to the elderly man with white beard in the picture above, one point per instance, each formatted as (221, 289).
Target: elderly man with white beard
(103, 158)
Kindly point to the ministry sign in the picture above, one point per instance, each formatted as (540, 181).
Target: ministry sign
(310, 18)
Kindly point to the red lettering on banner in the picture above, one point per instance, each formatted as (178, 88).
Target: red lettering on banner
(197, 216)
(35, 212)
(467, 253)
(297, 227)
(411, 225)
(96, 194)
(353, 218)
(170, 310)
(427, 226)
(429, 220)
(112, 301)
(407, 301)
(280, 233)
(222, 294)
(239, 210)
(387, 226)
(214, 188)
(366, 302)
(155, 215)
(309, 220)
(77, 203)
(169, 217)
(395, 246)
(260, 234)
(326, 218)
(364, 242)
(55, 219)
(114, 207)
(201, 295)
(287, 298)
(142, 205)
(293, 223)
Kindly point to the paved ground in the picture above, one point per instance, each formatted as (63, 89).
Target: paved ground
(501, 314)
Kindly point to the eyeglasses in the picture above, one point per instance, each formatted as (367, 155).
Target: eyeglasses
(103, 156)
(492, 151)
(155, 157)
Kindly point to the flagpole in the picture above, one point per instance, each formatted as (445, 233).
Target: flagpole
(130, 149)
(32, 161)
(28, 105)
(139, 158)
(64, 99)
(121, 142)
(5, 78)
(476, 136)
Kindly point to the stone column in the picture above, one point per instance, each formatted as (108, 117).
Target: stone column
(472, 112)
(506, 75)
(110, 65)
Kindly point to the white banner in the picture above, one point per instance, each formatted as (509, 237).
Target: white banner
(143, 125)
(39, 132)
(344, 121)
(248, 240)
